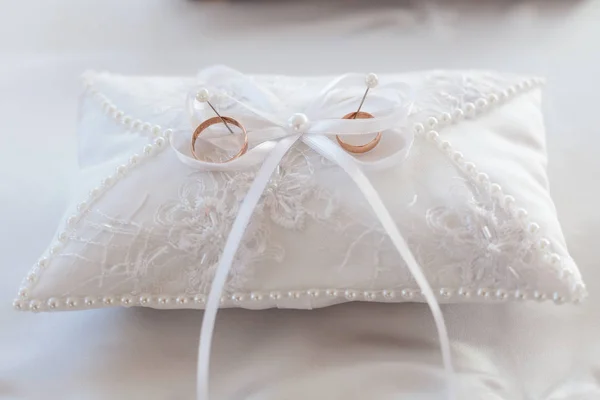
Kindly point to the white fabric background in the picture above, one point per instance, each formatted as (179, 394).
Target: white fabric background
(516, 351)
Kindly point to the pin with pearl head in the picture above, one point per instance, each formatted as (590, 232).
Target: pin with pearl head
(203, 96)
(371, 80)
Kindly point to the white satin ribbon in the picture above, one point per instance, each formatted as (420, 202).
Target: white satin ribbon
(265, 113)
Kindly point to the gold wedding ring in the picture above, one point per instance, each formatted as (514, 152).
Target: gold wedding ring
(357, 149)
(217, 120)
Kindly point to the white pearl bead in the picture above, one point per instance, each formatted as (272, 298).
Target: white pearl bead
(167, 133)
(119, 115)
(482, 292)
(256, 297)
(481, 104)
(470, 168)
(134, 159)
(433, 136)
(371, 80)
(23, 293)
(146, 127)
(71, 302)
(121, 170)
(495, 189)
(470, 109)
(43, 262)
(62, 237)
(457, 157)
(107, 182)
(463, 292)
(237, 297)
(31, 277)
(199, 299)
(313, 293)
(493, 98)
(350, 294)
(331, 292)
(432, 122)
(458, 114)
(501, 294)
(202, 95)
(522, 213)
(127, 121)
(17, 305)
(533, 227)
(388, 294)
(145, 299)
(543, 243)
(82, 206)
(445, 292)
(148, 149)
(52, 303)
(511, 91)
(108, 300)
(127, 301)
(418, 128)
(482, 177)
(519, 295)
(558, 299)
(156, 130)
(182, 300)
(406, 293)
(275, 295)
(554, 259)
(54, 249)
(446, 118)
(136, 125)
(540, 296)
(299, 122)
(509, 202)
(163, 300)
(89, 301)
(369, 296)
(159, 142)
(71, 221)
(35, 305)
(94, 193)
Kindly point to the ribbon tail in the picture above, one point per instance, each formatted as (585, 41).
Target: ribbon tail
(233, 242)
(334, 153)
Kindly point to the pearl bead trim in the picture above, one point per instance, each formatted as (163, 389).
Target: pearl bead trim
(130, 123)
(265, 299)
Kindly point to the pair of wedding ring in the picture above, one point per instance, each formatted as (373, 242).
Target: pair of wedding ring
(203, 96)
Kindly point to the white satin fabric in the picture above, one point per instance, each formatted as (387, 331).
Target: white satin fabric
(271, 153)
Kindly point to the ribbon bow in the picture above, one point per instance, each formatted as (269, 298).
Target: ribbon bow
(273, 129)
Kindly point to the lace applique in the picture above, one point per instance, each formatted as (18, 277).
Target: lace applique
(480, 242)
(475, 243)
(442, 92)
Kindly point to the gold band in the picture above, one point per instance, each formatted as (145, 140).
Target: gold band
(364, 147)
(217, 120)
